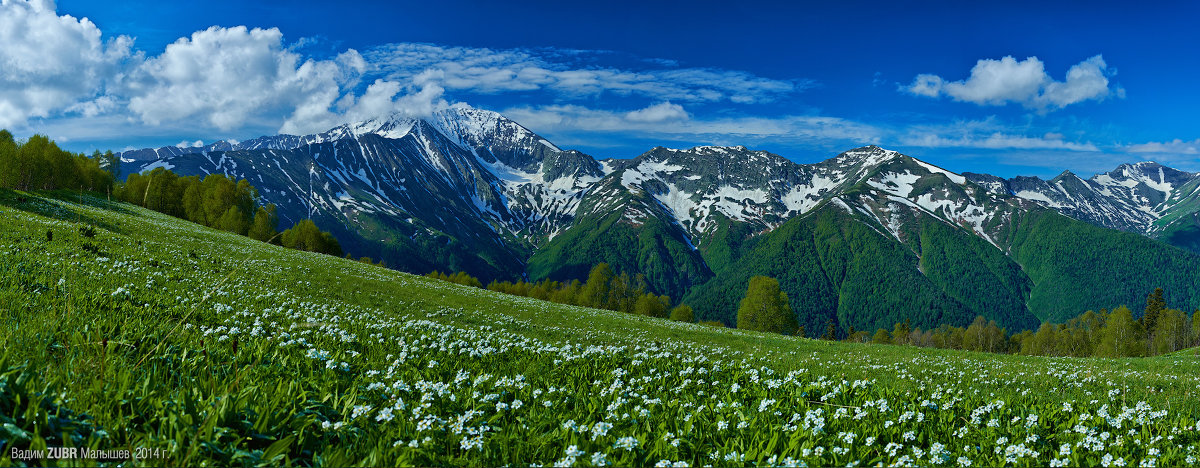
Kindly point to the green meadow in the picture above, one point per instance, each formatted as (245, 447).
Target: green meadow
(127, 329)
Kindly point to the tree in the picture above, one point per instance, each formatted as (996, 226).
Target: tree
(881, 337)
(32, 167)
(306, 236)
(8, 160)
(652, 306)
(900, 332)
(765, 307)
(595, 291)
(1172, 332)
(233, 221)
(111, 163)
(624, 292)
(830, 331)
(1120, 335)
(1043, 342)
(569, 294)
(855, 336)
(265, 223)
(1155, 304)
(683, 313)
(1196, 328)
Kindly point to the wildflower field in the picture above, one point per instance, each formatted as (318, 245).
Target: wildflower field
(128, 329)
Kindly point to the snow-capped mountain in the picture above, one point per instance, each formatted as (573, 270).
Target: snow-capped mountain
(466, 170)
(765, 189)
(468, 189)
(1133, 197)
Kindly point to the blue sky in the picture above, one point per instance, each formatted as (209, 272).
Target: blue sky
(1001, 87)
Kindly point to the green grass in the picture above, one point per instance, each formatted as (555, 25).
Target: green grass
(209, 348)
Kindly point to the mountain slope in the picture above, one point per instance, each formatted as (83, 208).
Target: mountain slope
(1076, 266)
(632, 232)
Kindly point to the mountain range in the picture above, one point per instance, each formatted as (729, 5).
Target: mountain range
(864, 239)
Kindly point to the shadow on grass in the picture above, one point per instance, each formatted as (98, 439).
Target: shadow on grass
(35, 203)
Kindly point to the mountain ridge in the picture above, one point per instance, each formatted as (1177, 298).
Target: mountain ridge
(468, 189)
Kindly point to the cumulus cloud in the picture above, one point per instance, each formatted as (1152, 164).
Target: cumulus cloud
(49, 63)
(489, 71)
(55, 65)
(228, 76)
(1025, 82)
(380, 98)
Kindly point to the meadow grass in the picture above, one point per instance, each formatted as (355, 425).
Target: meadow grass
(128, 329)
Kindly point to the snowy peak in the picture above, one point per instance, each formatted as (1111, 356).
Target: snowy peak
(1150, 174)
(1132, 197)
(394, 127)
(478, 127)
(865, 156)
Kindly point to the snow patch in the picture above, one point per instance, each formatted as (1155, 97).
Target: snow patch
(953, 177)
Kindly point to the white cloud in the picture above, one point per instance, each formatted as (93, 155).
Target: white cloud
(675, 122)
(49, 63)
(490, 71)
(994, 141)
(60, 67)
(228, 76)
(380, 98)
(1175, 146)
(1025, 82)
(987, 133)
(658, 113)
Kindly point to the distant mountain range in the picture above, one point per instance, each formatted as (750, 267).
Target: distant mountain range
(863, 239)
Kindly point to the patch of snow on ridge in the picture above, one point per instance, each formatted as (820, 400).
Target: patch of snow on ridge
(1161, 184)
(953, 177)
(659, 166)
(680, 203)
(730, 201)
(157, 164)
(756, 195)
(1037, 197)
(899, 184)
(632, 176)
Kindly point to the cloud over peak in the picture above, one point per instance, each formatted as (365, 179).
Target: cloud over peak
(1024, 82)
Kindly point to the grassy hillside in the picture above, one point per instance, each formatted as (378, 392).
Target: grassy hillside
(124, 328)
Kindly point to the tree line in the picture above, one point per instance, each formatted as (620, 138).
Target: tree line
(604, 289)
(1159, 330)
(221, 203)
(215, 201)
(39, 164)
